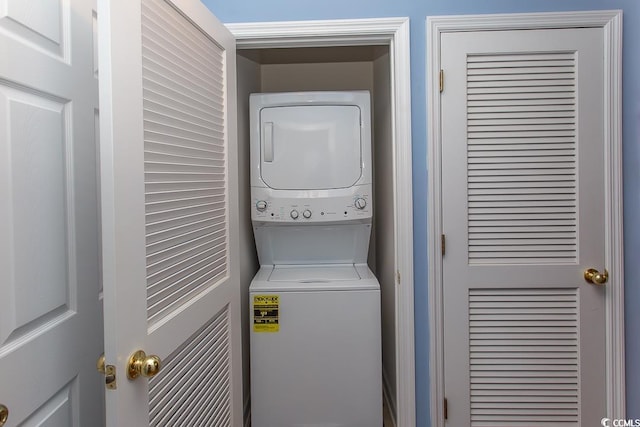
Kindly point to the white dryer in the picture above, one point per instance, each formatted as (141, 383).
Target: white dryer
(315, 305)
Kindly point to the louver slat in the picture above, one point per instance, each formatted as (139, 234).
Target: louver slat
(523, 357)
(181, 395)
(185, 159)
(521, 157)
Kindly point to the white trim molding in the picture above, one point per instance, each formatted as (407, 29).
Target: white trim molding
(611, 23)
(342, 32)
(392, 32)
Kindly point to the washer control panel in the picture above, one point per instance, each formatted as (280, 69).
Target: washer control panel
(317, 209)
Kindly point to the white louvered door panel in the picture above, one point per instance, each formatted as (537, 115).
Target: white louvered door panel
(184, 159)
(170, 221)
(523, 191)
(523, 357)
(521, 157)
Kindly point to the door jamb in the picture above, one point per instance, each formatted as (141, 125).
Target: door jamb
(392, 32)
(611, 23)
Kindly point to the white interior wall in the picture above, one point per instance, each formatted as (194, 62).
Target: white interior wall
(384, 217)
(317, 76)
(248, 82)
(366, 68)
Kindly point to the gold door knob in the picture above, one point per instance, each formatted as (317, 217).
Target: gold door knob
(594, 276)
(4, 414)
(142, 365)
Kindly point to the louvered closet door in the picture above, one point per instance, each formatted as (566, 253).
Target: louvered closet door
(523, 217)
(170, 223)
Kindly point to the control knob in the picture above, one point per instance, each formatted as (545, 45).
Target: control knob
(261, 205)
(360, 203)
(294, 214)
(306, 213)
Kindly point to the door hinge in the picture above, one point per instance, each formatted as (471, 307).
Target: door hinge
(398, 276)
(441, 80)
(443, 244)
(445, 409)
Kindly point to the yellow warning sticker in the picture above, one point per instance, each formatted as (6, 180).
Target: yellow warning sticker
(266, 313)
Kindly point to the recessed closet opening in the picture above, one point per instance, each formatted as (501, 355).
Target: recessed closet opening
(334, 68)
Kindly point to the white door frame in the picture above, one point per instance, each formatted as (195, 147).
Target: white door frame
(611, 23)
(392, 32)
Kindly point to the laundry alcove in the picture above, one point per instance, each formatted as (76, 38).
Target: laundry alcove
(364, 67)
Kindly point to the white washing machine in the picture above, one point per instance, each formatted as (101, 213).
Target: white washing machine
(315, 304)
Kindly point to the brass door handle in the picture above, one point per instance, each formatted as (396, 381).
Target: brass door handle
(594, 276)
(4, 414)
(142, 365)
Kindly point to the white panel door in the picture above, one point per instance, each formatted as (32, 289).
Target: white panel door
(523, 215)
(50, 308)
(170, 223)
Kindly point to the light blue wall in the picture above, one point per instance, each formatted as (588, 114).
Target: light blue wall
(285, 10)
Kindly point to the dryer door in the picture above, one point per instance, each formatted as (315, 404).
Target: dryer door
(311, 147)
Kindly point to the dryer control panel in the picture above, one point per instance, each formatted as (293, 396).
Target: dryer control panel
(266, 208)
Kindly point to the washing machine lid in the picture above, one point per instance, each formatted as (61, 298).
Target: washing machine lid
(313, 273)
(310, 147)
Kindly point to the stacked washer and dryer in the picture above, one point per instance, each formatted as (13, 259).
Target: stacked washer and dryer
(315, 304)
